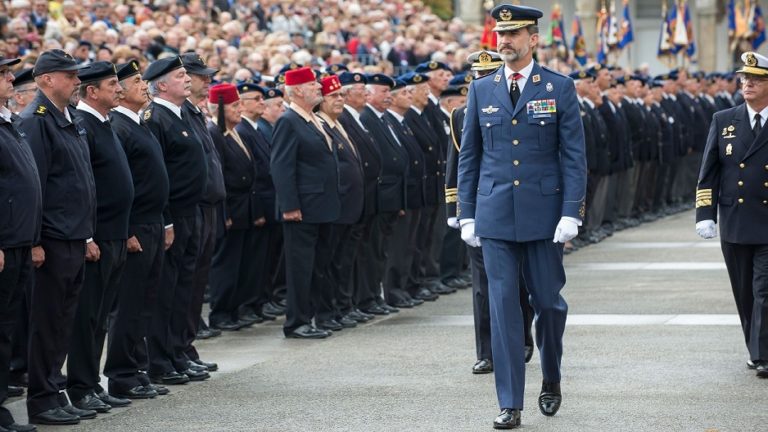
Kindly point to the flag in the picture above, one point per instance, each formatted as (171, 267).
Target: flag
(627, 36)
(665, 47)
(757, 26)
(488, 38)
(579, 45)
(613, 29)
(690, 50)
(731, 12)
(602, 35)
(557, 32)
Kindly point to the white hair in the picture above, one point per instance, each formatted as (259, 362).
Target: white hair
(153, 89)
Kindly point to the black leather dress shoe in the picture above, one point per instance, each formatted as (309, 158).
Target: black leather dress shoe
(751, 365)
(251, 318)
(196, 367)
(212, 367)
(82, 413)
(54, 416)
(762, 369)
(15, 391)
(426, 294)
(196, 375)
(138, 392)
(161, 390)
(528, 353)
(365, 316)
(550, 398)
(375, 310)
(358, 317)
(332, 325)
(15, 427)
(113, 401)
(170, 378)
(227, 325)
(203, 334)
(482, 366)
(2, 429)
(439, 288)
(347, 322)
(272, 309)
(508, 418)
(455, 283)
(93, 403)
(416, 302)
(389, 308)
(308, 332)
(402, 304)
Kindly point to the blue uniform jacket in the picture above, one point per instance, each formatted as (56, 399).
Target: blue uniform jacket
(521, 170)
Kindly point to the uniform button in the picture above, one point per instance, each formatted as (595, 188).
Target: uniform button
(243, 177)
(514, 122)
(765, 184)
(741, 165)
(515, 142)
(430, 148)
(741, 183)
(366, 164)
(487, 125)
(516, 162)
(437, 173)
(416, 162)
(516, 182)
(541, 122)
(741, 200)
(766, 167)
(394, 158)
(765, 201)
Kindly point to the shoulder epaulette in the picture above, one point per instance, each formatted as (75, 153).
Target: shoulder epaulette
(554, 72)
(41, 110)
(147, 114)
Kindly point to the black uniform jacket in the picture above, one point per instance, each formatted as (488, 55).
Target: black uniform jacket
(370, 157)
(260, 149)
(415, 182)
(394, 163)
(304, 169)
(431, 147)
(64, 166)
(351, 188)
(21, 203)
(734, 178)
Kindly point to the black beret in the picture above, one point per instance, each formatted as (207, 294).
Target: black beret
(97, 72)
(161, 67)
(8, 61)
(581, 74)
(381, 79)
(455, 90)
(336, 68)
(432, 66)
(350, 78)
(194, 64)
(55, 61)
(248, 87)
(460, 79)
(22, 77)
(399, 84)
(129, 69)
(413, 78)
(272, 93)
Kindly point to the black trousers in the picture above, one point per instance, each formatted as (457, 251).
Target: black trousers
(307, 258)
(209, 231)
(52, 307)
(174, 296)
(342, 266)
(428, 267)
(276, 263)
(453, 254)
(13, 280)
(96, 301)
(126, 352)
(748, 270)
(368, 288)
(238, 273)
(20, 348)
(400, 254)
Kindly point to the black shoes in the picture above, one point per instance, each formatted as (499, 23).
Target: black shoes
(196, 374)
(528, 353)
(402, 304)
(347, 322)
(272, 309)
(330, 324)
(91, 402)
(550, 398)
(455, 283)
(227, 325)
(751, 365)
(308, 332)
(762, 369)
(161, 390)
(375, 310)
(113, 401)
(482, 366)
(425, 294)
(15, 391)
(211, 366)
(508, 418)
(15, 427)
(138, 392)
(55, 416)
(170, 378)
(81, 413)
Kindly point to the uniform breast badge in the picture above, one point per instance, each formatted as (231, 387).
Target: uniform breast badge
(536, 78)
(728, 132)
(490, 110)
(541, 108)
(729, 149)
(184, 133)
(550, 87)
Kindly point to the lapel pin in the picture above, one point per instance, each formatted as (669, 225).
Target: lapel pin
(550, 87)
(536, 78)
(497, 78)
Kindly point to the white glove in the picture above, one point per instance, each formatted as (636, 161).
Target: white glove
(468, 233)
(566, 230)
(454, 223)
(706, 229)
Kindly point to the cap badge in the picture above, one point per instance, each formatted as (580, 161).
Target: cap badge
(357, 78)
(751, 60)
(485, 57)
(505, 15)
(417, 79)
(135, 65)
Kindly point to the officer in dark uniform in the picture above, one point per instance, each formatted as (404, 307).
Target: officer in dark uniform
(668, 128)
(106, 251)
(211, 210)
(235, 270)
(392, 193)
(522, 181)
(304, 169)
(734, 184)
(365, 286)
(185, 162)
(25, 88)
(60, 148)
(22, 208)
(334, 310)
(138, 288)
(273, 101)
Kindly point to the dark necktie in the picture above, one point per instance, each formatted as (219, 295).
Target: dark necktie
(514, 90)
(757, 127)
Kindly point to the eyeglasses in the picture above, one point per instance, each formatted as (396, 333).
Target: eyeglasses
(6, 73)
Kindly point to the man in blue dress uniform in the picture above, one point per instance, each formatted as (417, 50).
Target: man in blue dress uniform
(522, 181)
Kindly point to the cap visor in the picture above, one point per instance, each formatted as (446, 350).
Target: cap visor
(9, 62)
(203, 71)
(505, 26)
(753, 71)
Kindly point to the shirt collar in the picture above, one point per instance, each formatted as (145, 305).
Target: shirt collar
(763, 114)
(525, 72)
(170, 105)
(434, 98)
(378, 113)
(251, 122)
(5, 113)
(589, 102)
(397, 116)
(326, 118)
(309, 117)
(82, 106)
(418, 111)
(129, 113)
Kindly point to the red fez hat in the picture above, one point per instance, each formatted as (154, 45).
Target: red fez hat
(299, 76)
(227, 92)
(330, 84)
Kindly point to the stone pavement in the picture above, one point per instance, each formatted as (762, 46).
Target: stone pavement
(652, 343)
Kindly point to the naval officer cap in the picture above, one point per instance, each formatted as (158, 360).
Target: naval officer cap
(22, 77)
(161, 67)
(194, 64)
(351, 78)
(432, 66)
(55, 61)
(127, 70)
(754, 64)
(98, 71)
(484, 60)
(336, 68)
(510, 17)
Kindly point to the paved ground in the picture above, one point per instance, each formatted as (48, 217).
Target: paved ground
(652, 343)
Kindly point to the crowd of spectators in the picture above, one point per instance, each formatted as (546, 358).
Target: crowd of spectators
(245, 39)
